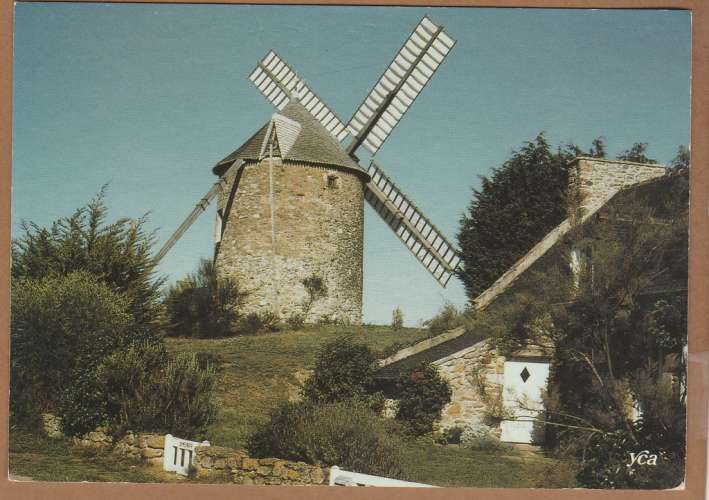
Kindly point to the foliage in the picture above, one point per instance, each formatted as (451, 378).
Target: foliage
(344, 369)
(480, 437)
(83, 299)
(514, 208)
(62, 327)
(491, 395)
(397, 319)
(680, 163)
(316, 289)
(346, 434)
(269, 321)
(636, 153)
(618, 328)
(422, 395)
(448, 318)
(146, 388)
(296, 321)
(451, 435)
(204, 304)
(254, 323)
(118, 254)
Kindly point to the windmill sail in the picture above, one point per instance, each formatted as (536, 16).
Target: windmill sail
(198, 210)
(277, 81)
(409, 224)
(412, 68)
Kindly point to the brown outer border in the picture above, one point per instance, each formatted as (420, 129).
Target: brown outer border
(698, 286)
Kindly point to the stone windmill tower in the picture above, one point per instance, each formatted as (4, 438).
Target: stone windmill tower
(291, 197)
(294, 210)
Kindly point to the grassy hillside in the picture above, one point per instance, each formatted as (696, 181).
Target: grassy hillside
(257, 372)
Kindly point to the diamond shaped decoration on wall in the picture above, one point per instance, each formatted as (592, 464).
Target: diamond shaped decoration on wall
(524, 374)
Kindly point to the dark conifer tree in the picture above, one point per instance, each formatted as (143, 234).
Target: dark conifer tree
(514, 208)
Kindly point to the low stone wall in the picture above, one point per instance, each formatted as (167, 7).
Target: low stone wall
(144, 446)
(209, 461)
(239, 468)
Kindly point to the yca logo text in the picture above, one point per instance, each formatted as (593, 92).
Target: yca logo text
(643, 458)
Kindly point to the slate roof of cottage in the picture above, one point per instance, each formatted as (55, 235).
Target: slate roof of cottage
(313, 145)
(648, 190)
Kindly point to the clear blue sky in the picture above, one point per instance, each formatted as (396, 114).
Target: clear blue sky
(149, 97)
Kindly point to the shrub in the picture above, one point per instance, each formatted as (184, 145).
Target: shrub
(117, 254)
(422, 396)
(480, 437)
(392, 349)
(451, 435)
(204, 304)
(397, 319)
(254, 323)
(343, 369)
(296, 321)
(269, 321)
(316, 289)
(146, 388)
(346, 434)
(61, 328)
(447, 318)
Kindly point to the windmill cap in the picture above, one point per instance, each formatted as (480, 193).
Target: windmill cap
(313, 144)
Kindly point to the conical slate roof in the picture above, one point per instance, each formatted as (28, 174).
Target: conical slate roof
(314, 144)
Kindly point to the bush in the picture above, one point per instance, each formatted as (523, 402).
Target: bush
(204, 304)
(397, 319)
(254, 323)
(269, 321)
(345, 434)
(343, 370)
(296, 321)
(422, 396)
(62, 327)
(146, 388)
(316, 289)
(480, 437)
(450, 435)
(447, 319)
(117, 254)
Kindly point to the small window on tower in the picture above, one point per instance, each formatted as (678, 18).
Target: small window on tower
(333, 181)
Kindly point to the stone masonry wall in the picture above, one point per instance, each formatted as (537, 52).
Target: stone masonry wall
(315, 228)
(209, 461)
(463, 370)
(239, 468)
(599, 179)
(144, 446)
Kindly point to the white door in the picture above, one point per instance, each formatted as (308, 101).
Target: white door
(524, 382)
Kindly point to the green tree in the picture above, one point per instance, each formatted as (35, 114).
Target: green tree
(513, 209)
(636, 153)
(119, 254)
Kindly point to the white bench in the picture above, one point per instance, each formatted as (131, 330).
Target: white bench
(339, 477)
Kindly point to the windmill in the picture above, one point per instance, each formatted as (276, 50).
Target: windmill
(289, 222)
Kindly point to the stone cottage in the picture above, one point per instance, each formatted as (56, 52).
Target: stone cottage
(487, 386)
